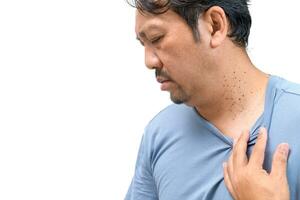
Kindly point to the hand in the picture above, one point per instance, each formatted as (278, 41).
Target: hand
(247, 180)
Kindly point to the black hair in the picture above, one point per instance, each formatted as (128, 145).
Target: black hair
(236, 11)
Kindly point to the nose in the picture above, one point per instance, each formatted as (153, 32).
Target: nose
(152, 60)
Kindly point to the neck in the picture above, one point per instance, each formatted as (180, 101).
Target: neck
(239, 99)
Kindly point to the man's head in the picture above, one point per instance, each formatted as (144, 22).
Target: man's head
(236, 11)
(185, 42)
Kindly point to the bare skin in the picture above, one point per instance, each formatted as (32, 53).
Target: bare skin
(213, 75)
(247, 180)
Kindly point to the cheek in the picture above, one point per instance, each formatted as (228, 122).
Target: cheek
(174, 57)
(176, 45)
(179, 51)
(180, 58)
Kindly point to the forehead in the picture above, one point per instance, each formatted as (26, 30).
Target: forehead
(145, 21)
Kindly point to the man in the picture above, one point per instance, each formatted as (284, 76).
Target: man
(197, 49)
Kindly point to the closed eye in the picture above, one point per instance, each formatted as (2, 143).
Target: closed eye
(156, 39)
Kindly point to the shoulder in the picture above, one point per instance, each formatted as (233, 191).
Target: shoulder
(288, 90)
(289, 87)
(288, 97)
(171, 123)
(172, 112)
(174, 115)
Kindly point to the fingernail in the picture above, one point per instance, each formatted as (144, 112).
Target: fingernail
(234, 141)
(262, 129)
(284, 149)
(261, 132)
(224, 164)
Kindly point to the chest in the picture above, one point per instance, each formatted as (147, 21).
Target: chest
(191, 168)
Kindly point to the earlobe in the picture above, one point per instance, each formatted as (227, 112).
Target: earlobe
(218, 25)
(217, 39)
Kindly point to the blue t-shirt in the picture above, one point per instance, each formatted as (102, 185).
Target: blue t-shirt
(181, 154)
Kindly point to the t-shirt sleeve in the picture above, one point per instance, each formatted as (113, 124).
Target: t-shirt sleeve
(142, 186)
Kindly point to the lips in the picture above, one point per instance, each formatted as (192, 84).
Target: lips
(165, 85)
(165, 82)
(162, 79)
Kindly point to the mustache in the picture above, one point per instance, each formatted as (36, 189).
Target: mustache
(163, 74)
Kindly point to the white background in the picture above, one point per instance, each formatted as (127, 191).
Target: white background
(75, 95)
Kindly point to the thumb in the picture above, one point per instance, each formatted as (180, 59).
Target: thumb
(279, 163)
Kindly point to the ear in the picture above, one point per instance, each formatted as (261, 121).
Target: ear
(217, 22)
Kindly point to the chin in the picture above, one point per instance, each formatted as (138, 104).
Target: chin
(178, 100)
(179, 96)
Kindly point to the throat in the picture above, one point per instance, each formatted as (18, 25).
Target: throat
(233, 125)
(237, 110)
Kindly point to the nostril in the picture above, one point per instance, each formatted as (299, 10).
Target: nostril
(152, 60)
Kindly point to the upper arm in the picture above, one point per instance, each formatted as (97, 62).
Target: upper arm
(143, 185)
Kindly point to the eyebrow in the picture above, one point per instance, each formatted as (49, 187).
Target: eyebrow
(142, 33)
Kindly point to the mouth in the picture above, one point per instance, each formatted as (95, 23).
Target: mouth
(165, 83)
(162, 79)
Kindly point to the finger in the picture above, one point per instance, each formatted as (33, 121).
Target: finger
(227, 180)
(239, 150)
(258, 153)
(279, 163)
(229, 166)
